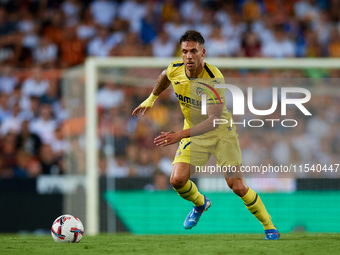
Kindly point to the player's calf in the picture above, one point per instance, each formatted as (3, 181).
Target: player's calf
(254, 204)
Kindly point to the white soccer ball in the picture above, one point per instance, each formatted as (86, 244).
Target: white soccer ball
(67, 229)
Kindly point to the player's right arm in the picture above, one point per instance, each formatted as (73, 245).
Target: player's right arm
(162, 84)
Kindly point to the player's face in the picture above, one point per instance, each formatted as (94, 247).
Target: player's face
(192, 54)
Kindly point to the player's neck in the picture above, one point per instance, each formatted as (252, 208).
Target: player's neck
(195, 73)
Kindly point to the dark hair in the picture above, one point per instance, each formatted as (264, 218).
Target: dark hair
(192, 36)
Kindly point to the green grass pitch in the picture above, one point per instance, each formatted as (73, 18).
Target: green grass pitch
(301, 244)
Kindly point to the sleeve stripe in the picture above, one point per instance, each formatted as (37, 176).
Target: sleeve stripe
(209, 71)
(178, 64)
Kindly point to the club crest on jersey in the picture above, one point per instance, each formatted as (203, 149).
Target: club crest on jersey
(178, 153)
(199, 91)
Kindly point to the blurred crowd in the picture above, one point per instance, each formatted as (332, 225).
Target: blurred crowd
(40, 38)
(53, 33)
(31, 114)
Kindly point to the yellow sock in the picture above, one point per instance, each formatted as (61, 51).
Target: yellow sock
(190, 192)
(254, 204)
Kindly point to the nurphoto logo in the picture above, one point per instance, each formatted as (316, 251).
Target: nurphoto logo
(239, 99)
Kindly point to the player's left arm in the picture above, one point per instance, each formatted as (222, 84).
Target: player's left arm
(168, 138)
(162, 84)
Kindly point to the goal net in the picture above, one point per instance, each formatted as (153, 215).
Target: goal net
(123, 178)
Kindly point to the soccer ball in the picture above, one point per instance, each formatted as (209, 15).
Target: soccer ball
(67, 229)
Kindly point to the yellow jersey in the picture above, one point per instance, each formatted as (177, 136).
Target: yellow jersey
(189, 91)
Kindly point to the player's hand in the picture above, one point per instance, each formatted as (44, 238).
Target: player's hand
(146, 105)
(140, 109)
(167, 138)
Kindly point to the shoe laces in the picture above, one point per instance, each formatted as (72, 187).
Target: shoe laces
(197, 211)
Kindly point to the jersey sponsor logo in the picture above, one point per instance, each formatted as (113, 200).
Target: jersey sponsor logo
(188, 100)
(177, 82)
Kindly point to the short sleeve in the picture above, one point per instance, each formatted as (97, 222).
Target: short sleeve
(169, 71)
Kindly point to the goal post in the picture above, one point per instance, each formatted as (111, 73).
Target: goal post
(92, 64)
(92, 181)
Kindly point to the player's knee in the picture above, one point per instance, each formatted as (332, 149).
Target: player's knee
(240, 191)
(177, 182)
(239, 188)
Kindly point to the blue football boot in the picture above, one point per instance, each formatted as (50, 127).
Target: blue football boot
(195, 214)
(272, 234)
